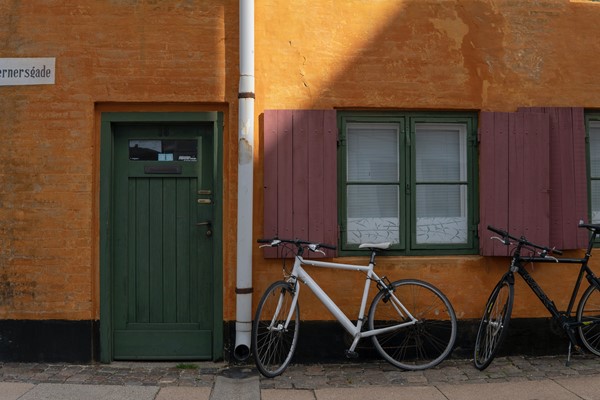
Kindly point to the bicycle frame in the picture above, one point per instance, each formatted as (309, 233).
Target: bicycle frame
(299, 273)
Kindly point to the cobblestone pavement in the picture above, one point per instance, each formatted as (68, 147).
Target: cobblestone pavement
(142, 374)
(303, 376)
(503, 369)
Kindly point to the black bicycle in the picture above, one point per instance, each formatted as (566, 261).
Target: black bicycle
(496, 316)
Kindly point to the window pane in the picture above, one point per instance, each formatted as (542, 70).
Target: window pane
(594, 133)
(441, 214)
(372, 214)
(440, 152)
(372, 152)
(163, 150)
(595, 149)
(144, 150)
(595, 201)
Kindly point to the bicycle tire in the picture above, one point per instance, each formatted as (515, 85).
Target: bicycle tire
(424, 344)
(272, 345)
(494, 324)
(589, 310)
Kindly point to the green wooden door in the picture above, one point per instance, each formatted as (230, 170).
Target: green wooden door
(163, 208)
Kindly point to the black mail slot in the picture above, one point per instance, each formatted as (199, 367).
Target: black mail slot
(162, 169)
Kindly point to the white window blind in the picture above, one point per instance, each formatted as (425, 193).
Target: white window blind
(372, 153)
(372, 159)
(441, 175)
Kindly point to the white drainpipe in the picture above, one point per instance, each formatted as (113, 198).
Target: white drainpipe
(243, 323)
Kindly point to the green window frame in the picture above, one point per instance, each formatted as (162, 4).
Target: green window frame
(592, 125)
(409, 178)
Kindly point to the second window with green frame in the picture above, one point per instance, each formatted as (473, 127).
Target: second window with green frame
(410, 179)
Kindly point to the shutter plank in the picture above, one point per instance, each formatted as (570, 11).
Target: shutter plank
(299, 176)
(573, 173)
(493, 179)
(285, 203)
(517, 175)
(500, 180)
(581, 179)
(486, 184)
(562, 156)
(330, 135)
(536, 182)
(270, 180)
(499, 211)
(316, 183)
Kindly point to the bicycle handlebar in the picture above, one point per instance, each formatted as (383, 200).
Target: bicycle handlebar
(522, 241)
(276, 242)
(591, 227)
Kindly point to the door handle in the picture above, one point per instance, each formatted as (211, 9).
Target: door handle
(208, 224)
(204, 201)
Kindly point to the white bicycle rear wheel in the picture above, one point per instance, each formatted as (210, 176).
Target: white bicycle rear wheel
(421, 345)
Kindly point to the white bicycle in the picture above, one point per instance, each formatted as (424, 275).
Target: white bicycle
(411, 323)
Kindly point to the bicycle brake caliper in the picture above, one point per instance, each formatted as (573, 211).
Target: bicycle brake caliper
(384, 283)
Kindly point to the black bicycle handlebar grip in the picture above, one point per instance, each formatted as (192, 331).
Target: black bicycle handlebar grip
(264, 240)
(557, 252)
(326, 246)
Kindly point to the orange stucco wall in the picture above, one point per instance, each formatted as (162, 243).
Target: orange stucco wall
(170, 55)
(432, 55)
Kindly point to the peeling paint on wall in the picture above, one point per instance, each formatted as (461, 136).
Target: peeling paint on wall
(245, 151)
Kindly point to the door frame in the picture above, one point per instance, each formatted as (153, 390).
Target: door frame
(107, 120)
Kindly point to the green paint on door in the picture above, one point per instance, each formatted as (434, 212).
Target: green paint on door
(162, 267)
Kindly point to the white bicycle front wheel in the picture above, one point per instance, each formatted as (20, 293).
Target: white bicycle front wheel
(274, 341)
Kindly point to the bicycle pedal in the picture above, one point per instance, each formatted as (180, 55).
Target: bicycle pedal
(351, 354)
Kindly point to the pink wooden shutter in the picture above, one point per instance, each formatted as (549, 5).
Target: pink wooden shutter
(568, 176)
(514, 177)
(300, 176)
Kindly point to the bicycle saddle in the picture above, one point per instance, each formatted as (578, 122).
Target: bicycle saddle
(382, 246)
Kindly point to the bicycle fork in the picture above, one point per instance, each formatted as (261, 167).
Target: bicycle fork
(279, 327)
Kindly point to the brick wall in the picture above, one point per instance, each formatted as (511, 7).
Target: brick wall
(119, 56)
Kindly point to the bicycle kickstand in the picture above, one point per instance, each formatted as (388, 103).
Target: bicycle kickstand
(572, 345)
